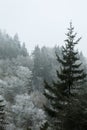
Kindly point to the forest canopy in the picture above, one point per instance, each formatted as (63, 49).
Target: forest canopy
(45, 89)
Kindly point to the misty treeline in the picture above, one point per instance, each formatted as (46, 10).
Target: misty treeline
(44, 90)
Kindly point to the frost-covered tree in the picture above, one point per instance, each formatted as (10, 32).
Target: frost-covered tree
(37, 66)
(14, 79)
(25, 75)
(46, 64)
(10, 47)
(23, 61)
(24, 50)
(26, 114)
(18, 83)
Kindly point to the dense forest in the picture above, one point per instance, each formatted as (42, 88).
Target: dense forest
(44, 90)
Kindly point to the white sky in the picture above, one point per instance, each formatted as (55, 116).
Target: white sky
(44, 22)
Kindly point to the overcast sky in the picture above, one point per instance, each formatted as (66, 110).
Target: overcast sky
(44, 22)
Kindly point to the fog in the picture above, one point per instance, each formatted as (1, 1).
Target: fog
(44, 22)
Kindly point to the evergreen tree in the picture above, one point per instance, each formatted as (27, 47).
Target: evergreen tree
(44, 126)
(28, 128)
(37, 61)
(37, 67)
(70, 76)
(24, 50)
(46, 64)
(76, 115)
(2, 115)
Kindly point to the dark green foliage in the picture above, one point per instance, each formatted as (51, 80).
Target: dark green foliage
(2, 115)
(28, 128)
(70, 72)
(44, 126)
(76, 116)
(61, 93)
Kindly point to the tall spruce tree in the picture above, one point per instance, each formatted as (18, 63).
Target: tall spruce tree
(69, 76)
